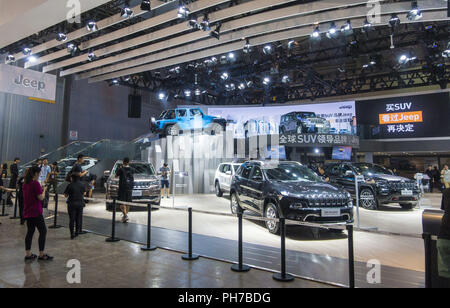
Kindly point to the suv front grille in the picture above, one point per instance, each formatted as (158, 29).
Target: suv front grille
(398, 186)
(335, 201)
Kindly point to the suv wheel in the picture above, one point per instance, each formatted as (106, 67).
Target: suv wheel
(219, 192)
(234, 204)
(407, 206)
(367, 199)
(172, 130)
(271, 211)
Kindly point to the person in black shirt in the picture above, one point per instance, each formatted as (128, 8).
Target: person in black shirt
(443, 243)
(52, 178)
(75, 194)
(13, 180)
(126, 184)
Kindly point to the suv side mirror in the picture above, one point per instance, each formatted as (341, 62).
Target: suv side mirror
(107, 173)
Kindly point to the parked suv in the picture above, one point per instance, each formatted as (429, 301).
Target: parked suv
(224, 174)
(66, 165)
(303, 123)
(380, 186)
(289, 190)
(174, 121)
(146, 183)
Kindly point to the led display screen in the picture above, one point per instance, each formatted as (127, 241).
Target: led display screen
(342, 153)
(405, 117)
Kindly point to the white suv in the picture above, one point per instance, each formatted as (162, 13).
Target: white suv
(224, 174)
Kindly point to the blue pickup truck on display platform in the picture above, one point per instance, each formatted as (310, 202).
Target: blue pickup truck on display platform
(174, 121)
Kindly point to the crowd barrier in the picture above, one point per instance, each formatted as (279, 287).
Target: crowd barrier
(239, 266)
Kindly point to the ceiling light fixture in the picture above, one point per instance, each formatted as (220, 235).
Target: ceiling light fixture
(415, 13)
(145, 5)
(10, 59)
(91, 26)
(316, 33)
(394, 21)
(61, 37)
(216, 32)
(204, 25)
(183, 10)
(27, 51)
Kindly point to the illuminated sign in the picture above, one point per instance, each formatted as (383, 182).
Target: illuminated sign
(403, 117)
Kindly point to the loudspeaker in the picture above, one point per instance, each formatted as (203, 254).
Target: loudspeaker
(134, 106)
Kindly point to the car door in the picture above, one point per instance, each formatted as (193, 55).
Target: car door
(242, 187)
(347, 181)
(183, 119)
(226, 177)
(255, 189)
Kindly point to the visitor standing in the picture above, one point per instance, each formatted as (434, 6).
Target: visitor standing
(75, 203)
(14, 169)
(164, 171)
(445, 176)
(52, 178)
(437, 178)
(33, 196)
(126, 184)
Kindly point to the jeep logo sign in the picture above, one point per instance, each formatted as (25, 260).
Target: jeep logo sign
(39, 85)
(20, 81)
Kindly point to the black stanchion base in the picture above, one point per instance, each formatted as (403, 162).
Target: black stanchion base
(240, 269)
(55, 227)
(112, 240)
(14, 217)
(147, 248)
(4, 215)
(283, 278)
(188, 257)
(83, 232)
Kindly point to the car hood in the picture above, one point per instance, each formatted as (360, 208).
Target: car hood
(388, 177)
(138, 177)
(306, 187)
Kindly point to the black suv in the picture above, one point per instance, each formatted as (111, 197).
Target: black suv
(380, 186)
(288, 190)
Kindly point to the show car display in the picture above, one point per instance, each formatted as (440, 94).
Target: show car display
(303, 122)
(289, 190)
(223, 177)
(175, 121)
(380, 186)
(146, 183)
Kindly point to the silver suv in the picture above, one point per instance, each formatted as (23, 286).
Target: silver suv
(146, 183)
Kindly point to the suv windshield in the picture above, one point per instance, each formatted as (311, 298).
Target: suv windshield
(139, 168)
(291, 172)
(306, 115)
(367, 169)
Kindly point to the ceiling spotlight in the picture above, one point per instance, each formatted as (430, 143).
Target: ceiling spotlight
(183, 10)
(332, 32)
(266, 81)
(225, 76)
(405, 59)
(415, 13)
(10, 59)
(316, 33)
(162, 95)
(198, 92)
(126, 11)
(115, 82)
(285, 79)
(91, 56)
(247, 46)
(249, 84)
(394, 21)
(145, 5)
(204, 25)
(291, 44)
(61, 37)
(192, 23)
(367, 26)
(92, 26)
(187, 93)
(72, 49)
(231, 56)
(267, 50)
(347, 28)
(27, 51)
(241, 86)
(126, 78)
(216, 32)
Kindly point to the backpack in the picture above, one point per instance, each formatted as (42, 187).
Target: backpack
(128, 179)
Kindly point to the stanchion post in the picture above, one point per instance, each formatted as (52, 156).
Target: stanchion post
(15, 206)
(3, 209)
(240, 267)
(55, 218)
(149, 246)
(190, 256)
(283, 276)
(351, 258)
(113, 238)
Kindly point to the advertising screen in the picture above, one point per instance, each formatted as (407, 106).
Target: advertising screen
(276, 152)
(324, 118)
(405, 117)
(342, 153)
